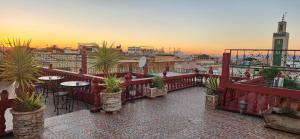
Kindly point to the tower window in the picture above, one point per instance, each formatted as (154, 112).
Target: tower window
(280, 28)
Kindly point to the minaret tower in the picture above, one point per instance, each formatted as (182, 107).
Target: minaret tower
(280, 42)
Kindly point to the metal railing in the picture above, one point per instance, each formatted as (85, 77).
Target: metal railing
(254, 60)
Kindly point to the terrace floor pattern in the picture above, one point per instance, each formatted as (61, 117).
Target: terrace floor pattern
(180, 114)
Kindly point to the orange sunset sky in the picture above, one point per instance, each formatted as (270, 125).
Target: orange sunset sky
(194, 26)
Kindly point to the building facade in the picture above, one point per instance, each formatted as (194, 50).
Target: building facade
(280, 44)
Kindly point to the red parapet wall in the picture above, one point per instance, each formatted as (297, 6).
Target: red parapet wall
(5, 103)
(257, 96)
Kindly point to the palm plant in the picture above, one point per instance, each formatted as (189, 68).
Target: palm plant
(112, 84)
(106, 58)
(157, 82)
(19, 66)
(212, 85)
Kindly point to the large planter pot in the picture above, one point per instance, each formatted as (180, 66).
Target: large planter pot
(28, 125)
(282, 122)
(211, 101)
(111, 101)
(155, 92)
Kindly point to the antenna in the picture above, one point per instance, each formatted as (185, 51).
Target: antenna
(284, 15)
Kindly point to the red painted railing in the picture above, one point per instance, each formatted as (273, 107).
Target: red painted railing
(257, 96)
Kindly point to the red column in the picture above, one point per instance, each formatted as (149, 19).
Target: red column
(224, 78)
(167, 67)
(225, 70)
(126, 95)
(95, 89)
(146, 69)
(4, 104)
(83, 61)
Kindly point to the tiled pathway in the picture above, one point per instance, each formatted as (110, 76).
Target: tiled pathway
(181, 114)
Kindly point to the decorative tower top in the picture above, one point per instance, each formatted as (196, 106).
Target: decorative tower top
(282, 24)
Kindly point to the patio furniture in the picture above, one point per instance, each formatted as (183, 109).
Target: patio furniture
(74, 86)
(66, 101)
(50, 83)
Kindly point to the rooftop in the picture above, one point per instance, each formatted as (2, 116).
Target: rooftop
(181, 114)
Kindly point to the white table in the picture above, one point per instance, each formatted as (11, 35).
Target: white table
(50, 78)
(75, 83)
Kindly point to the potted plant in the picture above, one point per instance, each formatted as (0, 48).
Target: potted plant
(19, 66)
(157, 88)
(106, 59)
(111, 97)
(211, 99)
(285, 119)
(269, 74)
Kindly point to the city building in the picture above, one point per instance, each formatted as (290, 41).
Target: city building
(133, 50)
(89, 47)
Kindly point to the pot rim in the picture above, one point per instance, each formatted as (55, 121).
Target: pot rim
(112, 93)
(27, 113)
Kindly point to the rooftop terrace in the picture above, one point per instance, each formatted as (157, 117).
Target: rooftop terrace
(181, 114)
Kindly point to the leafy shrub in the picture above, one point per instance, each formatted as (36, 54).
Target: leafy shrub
(29, 102)
(290, 84)
(287, 111)
(212, 85)
(112, 85)
(270, 73)
(157, 82)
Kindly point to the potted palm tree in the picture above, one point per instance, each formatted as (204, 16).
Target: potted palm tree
(211, 99)
(19, 66)
(106, 59)
(157, 88)
(111, 97)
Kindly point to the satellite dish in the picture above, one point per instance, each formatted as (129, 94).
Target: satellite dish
(142, 61)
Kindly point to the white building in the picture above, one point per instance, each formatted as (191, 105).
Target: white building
(134, 50)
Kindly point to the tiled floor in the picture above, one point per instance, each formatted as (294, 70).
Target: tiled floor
(180, 114)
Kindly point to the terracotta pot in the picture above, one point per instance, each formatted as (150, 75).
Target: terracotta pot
(282, 122)
(111, 101)
(211, 101)
(28, 125)
(155, 92)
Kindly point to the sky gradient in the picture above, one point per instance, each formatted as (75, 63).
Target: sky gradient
(194, 26)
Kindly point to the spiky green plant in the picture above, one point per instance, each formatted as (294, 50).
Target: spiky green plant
(287, 111)
(157, 81)
(19, 66)
(212, 85)
(112, 84)
(106, 58)
(29, 102)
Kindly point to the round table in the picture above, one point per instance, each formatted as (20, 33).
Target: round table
(75, 83)
(50, 78)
